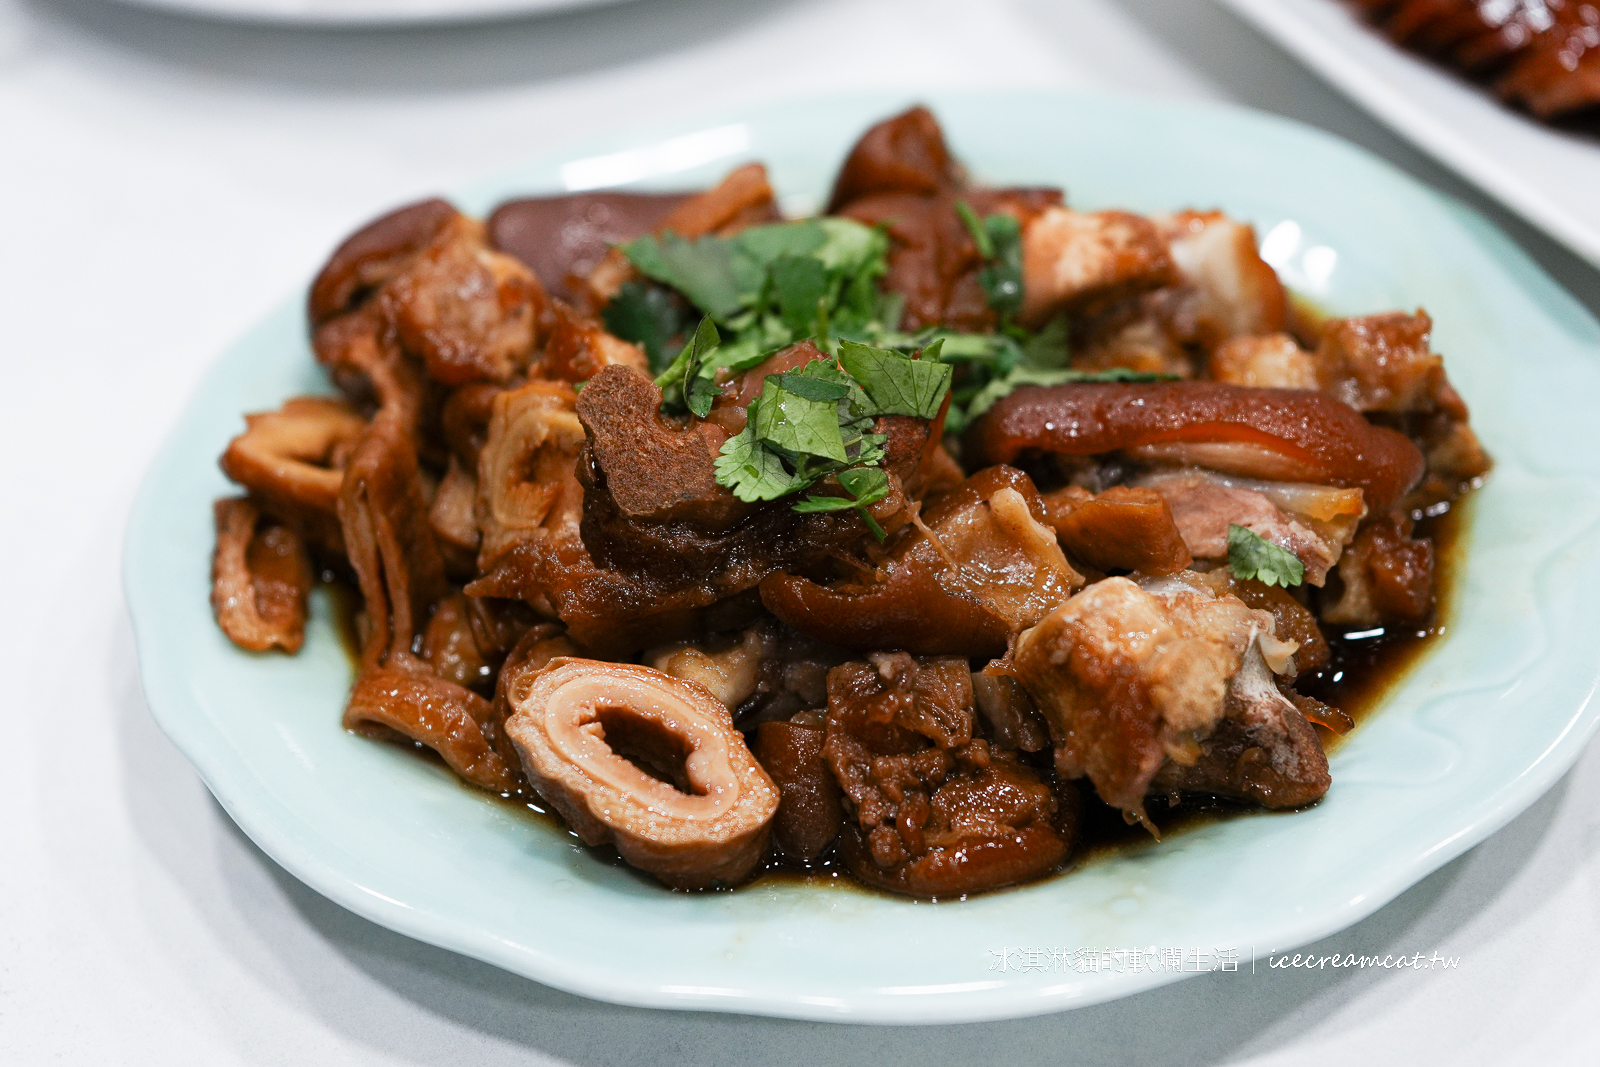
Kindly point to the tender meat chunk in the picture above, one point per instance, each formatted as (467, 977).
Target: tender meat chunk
(647, 762)
(391, 545)
(729, 667)
(1231, 290)
(1073, 260)
(1384, 364)
(903, 154)
(374, 254)
(901, 176)
(809, 810)
(468, 312)
(1313, 522)
(563, 238)
(1008, 712)
(1281, 434)
(1121, 529)
(1263, 749)
(260, 577)
(1130, 678)
(933, 811)
(983, 567)
(1273, 361)
(436, 713)
(292, 462)
(933, 260)
(578, 348)
(1387, 577)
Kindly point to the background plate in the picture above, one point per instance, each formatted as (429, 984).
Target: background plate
(367, 12)
(1471, 737)
(1550, 177)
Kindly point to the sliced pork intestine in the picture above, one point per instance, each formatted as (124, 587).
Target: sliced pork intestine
(1315, 522)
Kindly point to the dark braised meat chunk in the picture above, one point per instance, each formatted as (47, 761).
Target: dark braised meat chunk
(1120, 529)
(652, 503)
(563, 238)
(900, 175)
(933, 810)
(810, 814)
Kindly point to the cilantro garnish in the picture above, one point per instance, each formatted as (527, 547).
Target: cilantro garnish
(866, 486)
(1252, 556)
(683, 385)
(999, 241)
(648, 315)
(897, 385)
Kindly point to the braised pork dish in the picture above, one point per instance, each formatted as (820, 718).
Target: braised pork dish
(1539, 55)
(906, 539)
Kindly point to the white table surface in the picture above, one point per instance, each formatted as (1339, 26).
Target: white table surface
(165, 181)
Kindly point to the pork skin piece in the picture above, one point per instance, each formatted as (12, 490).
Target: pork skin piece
(809, 810)
(647, 762)
(1129, 679)
(931, 810)
(987, 567)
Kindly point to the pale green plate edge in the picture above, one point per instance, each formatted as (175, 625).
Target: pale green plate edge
(1476, 733)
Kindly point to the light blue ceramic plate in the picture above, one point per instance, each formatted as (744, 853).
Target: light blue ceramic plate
(1474, 735)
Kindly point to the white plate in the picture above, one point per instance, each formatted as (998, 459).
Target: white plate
(366, 12)
(1496, 712)
(1549, 177)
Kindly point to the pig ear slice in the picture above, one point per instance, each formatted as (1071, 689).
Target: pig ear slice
(648, 762)
(1279, 434)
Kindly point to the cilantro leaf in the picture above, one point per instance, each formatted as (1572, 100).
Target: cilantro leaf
(1252, 556)
(705, 270)
(751, 471)
(999, 241)
(649, 315)
(686, 383)
(895, 383)
(800, 284)
(866, 486)
(797, 424)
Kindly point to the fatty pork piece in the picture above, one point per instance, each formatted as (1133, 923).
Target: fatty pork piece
(437, 289)
(647, 762)
(1314, 522)
(1201, 282)
(1385, 367)
(983, 565)
(1170, 686)
(932, 810)
(652, 504)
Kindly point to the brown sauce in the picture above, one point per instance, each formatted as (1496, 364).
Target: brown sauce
(1365, 665)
